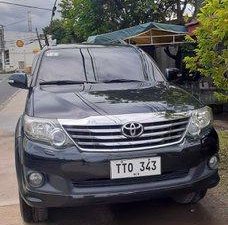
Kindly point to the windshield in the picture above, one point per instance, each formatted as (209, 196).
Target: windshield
(95, 64)
(62, 64)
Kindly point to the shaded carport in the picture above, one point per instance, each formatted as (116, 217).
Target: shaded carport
(147, 34)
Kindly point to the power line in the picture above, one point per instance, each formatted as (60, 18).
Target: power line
(10, 24)
(23, 38)
(25, 6)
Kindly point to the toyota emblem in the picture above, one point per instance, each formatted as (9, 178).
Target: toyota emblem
(132, 129)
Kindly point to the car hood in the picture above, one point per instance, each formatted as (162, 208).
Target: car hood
(82, 101)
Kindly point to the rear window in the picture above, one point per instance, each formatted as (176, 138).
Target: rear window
(62, 64)
(117, 63)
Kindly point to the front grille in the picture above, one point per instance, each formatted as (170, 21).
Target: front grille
(110, 137)
(129, 181)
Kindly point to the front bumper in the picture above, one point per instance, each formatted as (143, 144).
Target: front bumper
(126, 193)
(68, 173)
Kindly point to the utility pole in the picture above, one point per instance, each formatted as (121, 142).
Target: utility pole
(52, 16)
(29, 21)
(38, 37)
(2, 48)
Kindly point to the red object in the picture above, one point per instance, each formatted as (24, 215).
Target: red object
(191, 27)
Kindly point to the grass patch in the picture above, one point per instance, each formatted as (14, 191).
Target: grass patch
(223, 167)
(223, 142)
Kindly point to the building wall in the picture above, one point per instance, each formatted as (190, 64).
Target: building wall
(20, 57)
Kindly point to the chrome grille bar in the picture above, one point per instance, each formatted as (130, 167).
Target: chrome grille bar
(107, 136)
(121, 137)
(156, 127)
(94, 130)
(127, 143)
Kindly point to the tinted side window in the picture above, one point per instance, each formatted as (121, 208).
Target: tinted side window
(153, 69)
(158, 74)
(34, 63)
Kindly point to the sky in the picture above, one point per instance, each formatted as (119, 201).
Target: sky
(10, 14)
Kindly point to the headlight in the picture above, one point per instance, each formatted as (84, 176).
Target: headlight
(48, 131)
(200, 119)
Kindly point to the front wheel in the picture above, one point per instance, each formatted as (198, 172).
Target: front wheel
(190, 198)
(32, 214)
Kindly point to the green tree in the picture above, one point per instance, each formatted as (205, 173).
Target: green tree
(60, 31)
(175, 10)
(90, 17)
(211, 53)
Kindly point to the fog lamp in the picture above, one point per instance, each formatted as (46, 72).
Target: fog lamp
(35, 179)
(213, 162)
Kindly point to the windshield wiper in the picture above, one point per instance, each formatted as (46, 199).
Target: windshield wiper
(63, 82)
(120, 81)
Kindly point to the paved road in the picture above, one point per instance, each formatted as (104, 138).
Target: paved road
(213, 210)
(6, 91)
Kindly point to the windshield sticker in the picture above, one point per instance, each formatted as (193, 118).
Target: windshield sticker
(52, 54)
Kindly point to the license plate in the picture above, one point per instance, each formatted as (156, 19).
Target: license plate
(140, 167)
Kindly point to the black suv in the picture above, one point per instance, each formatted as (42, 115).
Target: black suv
(102, 124)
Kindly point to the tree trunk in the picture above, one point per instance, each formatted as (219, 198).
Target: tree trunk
(177, 57)
(179, 12)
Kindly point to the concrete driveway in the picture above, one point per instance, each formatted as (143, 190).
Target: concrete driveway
(5, 90)
(213, 210)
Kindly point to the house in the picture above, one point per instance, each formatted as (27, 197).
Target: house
(20, 50)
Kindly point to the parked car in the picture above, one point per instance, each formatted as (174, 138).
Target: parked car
(102, 124)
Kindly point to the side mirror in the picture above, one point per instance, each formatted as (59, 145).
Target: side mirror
(18, 80)
(173, 74)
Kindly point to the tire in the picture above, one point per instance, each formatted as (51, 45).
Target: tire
(32, 214)
(190, 198)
